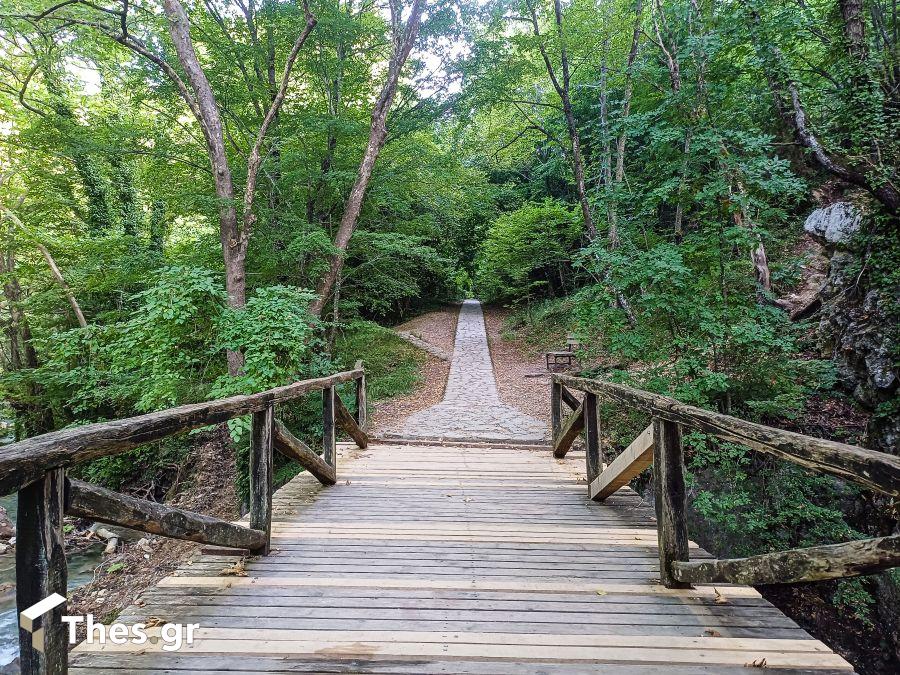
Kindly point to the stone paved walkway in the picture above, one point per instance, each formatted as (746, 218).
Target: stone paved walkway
(472, 408)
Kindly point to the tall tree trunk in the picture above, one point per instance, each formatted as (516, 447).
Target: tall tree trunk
(606, 145)
(403, 40)
(853, 13)
(51, 263)
(679, 207)
(234, 244)
(629, 90)
(561, 85)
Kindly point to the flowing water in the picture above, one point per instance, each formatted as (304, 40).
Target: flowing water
(81, 570)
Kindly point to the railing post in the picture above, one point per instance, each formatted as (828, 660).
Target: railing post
(40, 572)
(329, 450)
(592, 449)
(262, 432)
(668, 485)
(555, 406)
(361, 411)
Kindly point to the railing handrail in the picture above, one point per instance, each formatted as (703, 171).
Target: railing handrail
(661, 446)
(28, 460)
(37, 469)
(872, 469)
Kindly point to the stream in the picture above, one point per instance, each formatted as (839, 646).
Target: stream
(81, 570)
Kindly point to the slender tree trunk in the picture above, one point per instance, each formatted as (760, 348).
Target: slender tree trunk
(54, 268)
(403, 43)
(606, 144)
(679, 208)
(757, 253)
(853, 13)
(230, 236)
(629, 89)
(57, 274)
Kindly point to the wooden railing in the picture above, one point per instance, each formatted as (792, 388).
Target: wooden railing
(660, 445)
(36, 469)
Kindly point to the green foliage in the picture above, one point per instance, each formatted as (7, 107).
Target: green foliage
(152, 468)
(392, 365)
(276, 334)
(278, 338)
(154, 359)
(854, 599)
(527, 251)
(759, 504)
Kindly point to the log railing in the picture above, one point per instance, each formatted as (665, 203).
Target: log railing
(36, 468)
(660, 445)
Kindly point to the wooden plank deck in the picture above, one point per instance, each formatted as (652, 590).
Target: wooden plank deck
(435, 559)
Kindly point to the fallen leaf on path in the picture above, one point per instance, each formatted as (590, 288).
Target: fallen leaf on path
(236, 570)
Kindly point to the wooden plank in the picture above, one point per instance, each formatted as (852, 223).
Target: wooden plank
(472, 584)
(670, 499)
(573, 426)
(624, 468)
(592, 443)
(875, 470)
(292, 447)
(555, 408)
(409, 567)
(262, 431)
(569, 398)
(362, 410)
(450, 650)
(28, 460)
(544, 639)
(328, 427)
(816, 563)
(41, 572)
(93, 502)
(219, 665)
(112, 664)
(345, 420)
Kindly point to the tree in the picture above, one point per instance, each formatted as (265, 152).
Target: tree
(402, 40)
(195, 89)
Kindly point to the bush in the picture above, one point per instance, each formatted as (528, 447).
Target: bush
(526, 250)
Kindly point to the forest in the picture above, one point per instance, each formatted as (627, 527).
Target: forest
(201, 198)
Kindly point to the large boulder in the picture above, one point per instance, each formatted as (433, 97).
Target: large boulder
(834, 225)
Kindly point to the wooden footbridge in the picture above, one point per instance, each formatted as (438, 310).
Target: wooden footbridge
(422, 557)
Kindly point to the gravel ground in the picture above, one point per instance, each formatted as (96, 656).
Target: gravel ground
(438, 328)
(513, 362)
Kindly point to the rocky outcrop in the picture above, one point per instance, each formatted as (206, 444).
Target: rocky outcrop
(834, 225)
(854, 327)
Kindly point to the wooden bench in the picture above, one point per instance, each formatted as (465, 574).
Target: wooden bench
(564, 359)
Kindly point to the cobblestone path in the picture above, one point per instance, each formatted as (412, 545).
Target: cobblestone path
(472, 408)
